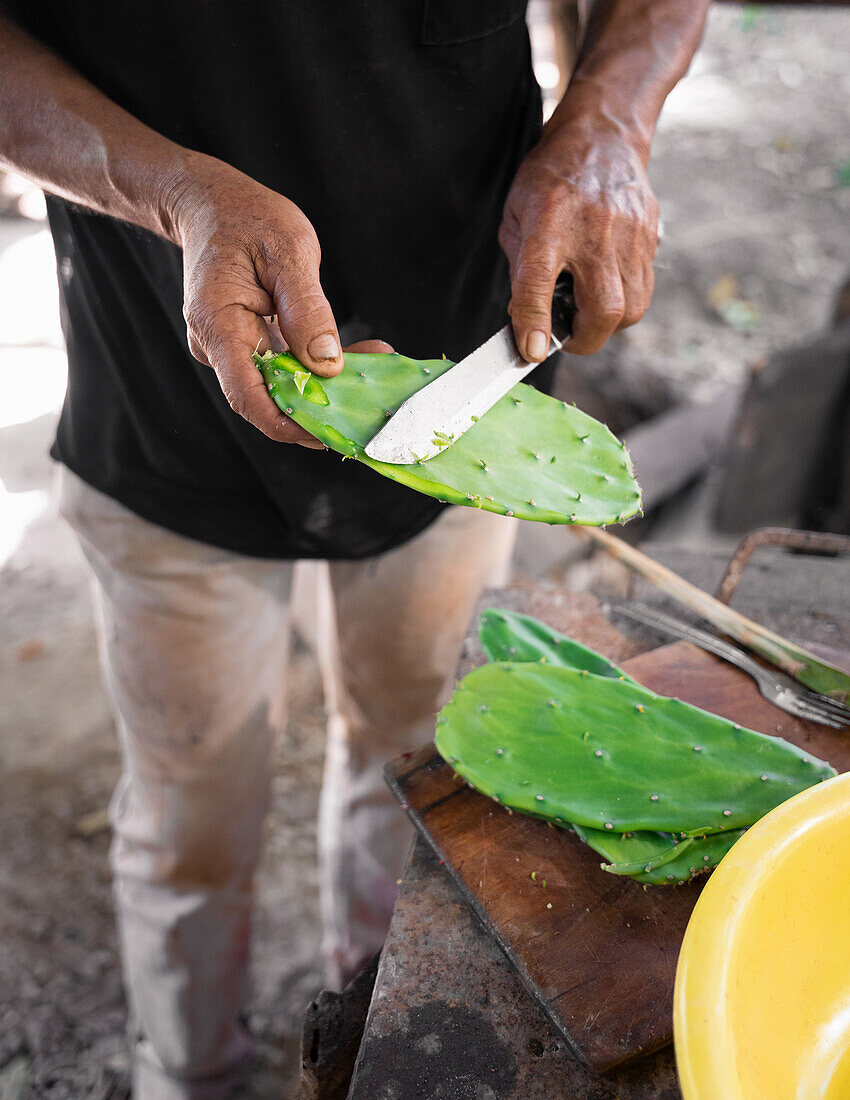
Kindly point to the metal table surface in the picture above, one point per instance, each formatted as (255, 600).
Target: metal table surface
(449, 1018)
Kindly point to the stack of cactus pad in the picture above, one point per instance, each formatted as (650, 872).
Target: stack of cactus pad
(530, 456)
(659, 788)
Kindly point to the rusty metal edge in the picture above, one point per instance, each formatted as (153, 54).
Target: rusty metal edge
(789, 538)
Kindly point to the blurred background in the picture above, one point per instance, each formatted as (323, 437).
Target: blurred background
(733, 395)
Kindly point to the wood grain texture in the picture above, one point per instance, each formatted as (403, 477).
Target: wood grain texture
(596, 951)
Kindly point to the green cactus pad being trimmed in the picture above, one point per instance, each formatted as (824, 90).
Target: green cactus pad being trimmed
(530, 456)
(608, 754)
(659, 859)
(511, 636)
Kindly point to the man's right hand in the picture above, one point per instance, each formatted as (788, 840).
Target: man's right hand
(248, 254)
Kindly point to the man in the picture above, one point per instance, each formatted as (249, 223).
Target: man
(223, 143)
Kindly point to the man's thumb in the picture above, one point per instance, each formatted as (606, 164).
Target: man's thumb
(307, 322)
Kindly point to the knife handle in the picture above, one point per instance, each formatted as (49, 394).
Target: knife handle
(563, 311)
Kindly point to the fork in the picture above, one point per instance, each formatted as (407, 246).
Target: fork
(775, 686)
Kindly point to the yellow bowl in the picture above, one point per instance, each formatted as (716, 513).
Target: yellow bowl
(762, 1000)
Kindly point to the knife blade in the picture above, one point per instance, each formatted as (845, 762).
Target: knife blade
(442, 411)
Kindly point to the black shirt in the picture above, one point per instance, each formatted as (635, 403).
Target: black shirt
(397, 127)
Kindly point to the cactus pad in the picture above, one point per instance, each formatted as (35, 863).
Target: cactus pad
(529, 456)
(511, 636)
(648, 855)
(659, 859)
(610, 755)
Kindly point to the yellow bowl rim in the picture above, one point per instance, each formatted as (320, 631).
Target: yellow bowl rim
(706, 1062)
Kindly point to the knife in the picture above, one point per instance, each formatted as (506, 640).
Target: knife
(438, 414)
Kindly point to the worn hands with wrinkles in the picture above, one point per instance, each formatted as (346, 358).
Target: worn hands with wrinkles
(581, 202)
(249, 254)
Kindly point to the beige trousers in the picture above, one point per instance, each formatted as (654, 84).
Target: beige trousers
(193, 646)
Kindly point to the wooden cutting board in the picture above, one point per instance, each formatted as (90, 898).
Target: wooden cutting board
(598, 952)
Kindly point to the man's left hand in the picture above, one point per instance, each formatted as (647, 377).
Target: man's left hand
(581, 202)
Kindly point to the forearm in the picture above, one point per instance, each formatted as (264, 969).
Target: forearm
(73, 141)
(581, 201)
(633, 55)
(248, 252)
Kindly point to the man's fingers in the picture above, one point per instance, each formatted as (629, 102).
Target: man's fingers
(532, 286)
(370, 347)
(294, 433)
(638, 287)
(306, 319)
(196, 349)
(600, 305)
(635, 248)
(225, 340)
(246, 393)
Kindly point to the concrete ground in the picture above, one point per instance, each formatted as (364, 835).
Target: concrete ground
(752, 167)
